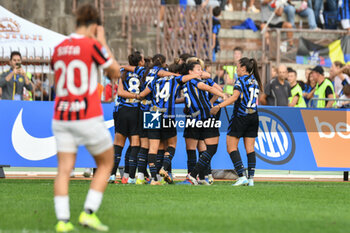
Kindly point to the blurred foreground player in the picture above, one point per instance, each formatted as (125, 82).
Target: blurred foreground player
(78, 118)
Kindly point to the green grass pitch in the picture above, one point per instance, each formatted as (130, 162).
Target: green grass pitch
(27, 206)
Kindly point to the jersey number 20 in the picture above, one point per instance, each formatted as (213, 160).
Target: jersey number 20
(68, 71)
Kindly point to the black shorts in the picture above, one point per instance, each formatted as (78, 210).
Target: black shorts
(201, 133)
(244, 126)
(142, 132)
(277, 25)
(126, 121)
(164, 132)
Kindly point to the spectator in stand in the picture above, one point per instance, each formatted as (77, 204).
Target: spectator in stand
(14, 80)
(338, 76)
(220, 76)
(324, 89)
(41, 87)
(0, 92)
(309, 86)
(203, 3)
(296, 99)
(344, 101)
(252, 8)
(317, 6)
(228, 5)
(278, 90)
(232, 71)
(215, 31)
(268, 7)
(274, 72)
(303, 11)
(344, 14)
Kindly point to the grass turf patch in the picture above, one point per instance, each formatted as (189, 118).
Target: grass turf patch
(267, 207)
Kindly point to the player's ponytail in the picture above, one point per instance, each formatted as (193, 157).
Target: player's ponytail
(256, 72)
(159, 60)
(252, 68)
(87, 15)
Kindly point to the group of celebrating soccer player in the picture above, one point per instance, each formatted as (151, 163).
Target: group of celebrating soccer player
(143, 86)
(157, 87)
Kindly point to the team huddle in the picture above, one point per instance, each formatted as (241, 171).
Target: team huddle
(157, 87)
(143, 86)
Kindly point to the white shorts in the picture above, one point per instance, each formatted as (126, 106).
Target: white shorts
(91, 133)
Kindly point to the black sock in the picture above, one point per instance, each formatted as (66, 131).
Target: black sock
(211, 150)
(202, 163)
(209, 169)
(201, 173)
(127, 155)
(237, 162)
(169, 168)
(146, 172)
(191, 160)
(251, 164)
(152, 159)
(117, 155)
(169, 155)
(160, 159)
(133, 161)
(142, 160)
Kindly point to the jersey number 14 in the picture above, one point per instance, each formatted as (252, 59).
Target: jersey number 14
(164, 93)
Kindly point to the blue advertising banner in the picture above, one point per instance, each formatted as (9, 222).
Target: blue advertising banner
(289, 138)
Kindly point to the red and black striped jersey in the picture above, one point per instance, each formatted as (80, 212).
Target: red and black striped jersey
(75, 62)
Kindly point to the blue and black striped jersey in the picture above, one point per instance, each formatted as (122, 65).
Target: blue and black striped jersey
(246, 102)
(130, 84)
(197, 101)
(211, 83)
(164, 93)
(152, 74)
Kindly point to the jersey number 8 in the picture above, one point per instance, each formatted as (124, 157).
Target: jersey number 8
(134, 85)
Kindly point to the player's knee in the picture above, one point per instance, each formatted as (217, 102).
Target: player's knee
(231, 148)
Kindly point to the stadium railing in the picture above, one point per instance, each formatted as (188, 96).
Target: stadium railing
(279, 51)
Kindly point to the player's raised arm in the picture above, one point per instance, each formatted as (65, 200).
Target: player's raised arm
(129, 68)
(164, 73)
(113, 71)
